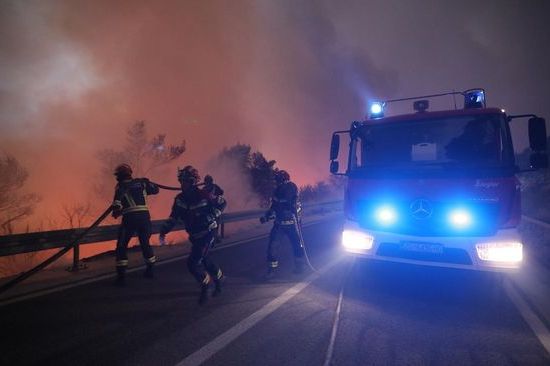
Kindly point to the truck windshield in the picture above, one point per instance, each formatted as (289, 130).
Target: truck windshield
(468, 142)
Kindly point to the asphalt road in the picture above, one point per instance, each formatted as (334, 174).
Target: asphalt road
(348, 313)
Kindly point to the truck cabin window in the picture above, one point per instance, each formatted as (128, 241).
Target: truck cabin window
(461, 141)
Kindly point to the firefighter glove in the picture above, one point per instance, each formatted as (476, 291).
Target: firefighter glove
(116, 212)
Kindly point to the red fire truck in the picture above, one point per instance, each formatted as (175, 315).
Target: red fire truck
(436, 188)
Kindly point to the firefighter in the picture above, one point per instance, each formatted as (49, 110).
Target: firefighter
(212, 187)
(216, 191)
(285, 209)
(130, 202)
(199, 211)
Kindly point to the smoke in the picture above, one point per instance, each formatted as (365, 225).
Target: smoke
(280, 76)
(40, 68)
(229, 175)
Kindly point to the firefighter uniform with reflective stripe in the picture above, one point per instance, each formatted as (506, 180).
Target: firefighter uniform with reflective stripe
(216, 191)
(130, 202)
(284, 209)
(199, 211)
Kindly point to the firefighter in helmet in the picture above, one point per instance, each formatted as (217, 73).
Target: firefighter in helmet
(199, 211)
(130, 202)
(217, 193)
(212, 187)
(285, 209)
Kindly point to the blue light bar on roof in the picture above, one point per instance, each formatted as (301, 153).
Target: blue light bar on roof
(474, 98)
(376, 109)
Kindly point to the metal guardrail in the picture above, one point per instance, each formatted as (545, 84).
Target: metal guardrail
(73, 238)
(32, 242)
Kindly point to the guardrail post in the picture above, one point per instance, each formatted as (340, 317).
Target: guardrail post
(76, 258)
(77, 265)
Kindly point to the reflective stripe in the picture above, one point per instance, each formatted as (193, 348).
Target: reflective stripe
(274, 264)
(219, 274)
(130, 200)
(135, 209)
(132, 205)
(181, 204)
(151, 260)
(122, 263)
(206, 279)
(287, 222)
(202, 203)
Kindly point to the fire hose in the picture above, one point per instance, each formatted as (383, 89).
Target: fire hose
(298, 227)
(23, 276)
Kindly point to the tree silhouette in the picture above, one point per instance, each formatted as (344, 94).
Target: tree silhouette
(330, 189)
(256, 170)
(262, 172)
(14, 204)
(142, 152)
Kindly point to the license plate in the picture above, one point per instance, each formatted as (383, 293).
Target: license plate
(422, 247)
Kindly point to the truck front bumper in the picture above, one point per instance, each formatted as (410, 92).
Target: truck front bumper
(501, 252)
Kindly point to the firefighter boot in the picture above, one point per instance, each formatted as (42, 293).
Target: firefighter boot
(270, 273)
(272, 266)
(149, 273)
(203, 297)
(218, 284)
(120, 280)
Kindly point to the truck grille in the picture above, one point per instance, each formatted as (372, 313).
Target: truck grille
(434, 223)
(448, 255)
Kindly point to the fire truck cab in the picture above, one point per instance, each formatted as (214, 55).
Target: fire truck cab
(436, 188)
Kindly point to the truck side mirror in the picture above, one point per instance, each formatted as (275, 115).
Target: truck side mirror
(537, 134)
(335, 148)
(538, 160)
(334, 166)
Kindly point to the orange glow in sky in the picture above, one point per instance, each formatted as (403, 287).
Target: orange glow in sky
(280, 76)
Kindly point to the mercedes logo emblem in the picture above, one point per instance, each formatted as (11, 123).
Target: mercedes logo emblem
(421, 209)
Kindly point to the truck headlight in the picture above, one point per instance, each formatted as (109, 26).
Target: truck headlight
(357, 240)
(511, 252)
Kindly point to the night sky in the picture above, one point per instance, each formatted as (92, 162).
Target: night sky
(279, 75)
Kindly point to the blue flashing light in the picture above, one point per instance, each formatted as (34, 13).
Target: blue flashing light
(474, 98)
(376, 109)
(386, 215)
(460, 218)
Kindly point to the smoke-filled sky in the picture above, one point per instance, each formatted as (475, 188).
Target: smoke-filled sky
(279, 75)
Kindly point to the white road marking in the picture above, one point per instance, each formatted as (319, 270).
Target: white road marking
(330, 349)
(221, 341)
(537, 326)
